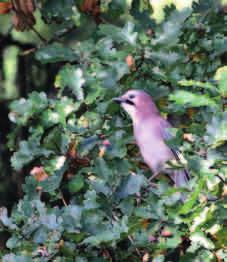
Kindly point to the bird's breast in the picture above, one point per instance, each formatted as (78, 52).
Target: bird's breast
(152, 146)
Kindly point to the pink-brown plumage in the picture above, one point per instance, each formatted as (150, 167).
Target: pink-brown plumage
(150, 131)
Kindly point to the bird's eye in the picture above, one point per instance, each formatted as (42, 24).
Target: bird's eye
(132, 96)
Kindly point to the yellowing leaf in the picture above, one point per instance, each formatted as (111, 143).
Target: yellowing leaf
(221, 77)
(5, 7)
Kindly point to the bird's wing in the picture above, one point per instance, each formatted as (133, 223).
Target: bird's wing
(164, 126)
(166, 134)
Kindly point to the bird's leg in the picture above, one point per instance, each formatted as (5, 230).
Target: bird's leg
(153, 176)
(153, 185)
(138, 198)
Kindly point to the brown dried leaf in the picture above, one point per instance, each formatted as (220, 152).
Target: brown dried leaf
(39, 173)
(72, 149)
(5, 7)
(16, 21)
(60, 244)
(191, 112)
(23, 18)
(22, 6)
(145, 223)
(89, 5)
(224, 8)
(102, 151)
(130, 61)
(30, 4)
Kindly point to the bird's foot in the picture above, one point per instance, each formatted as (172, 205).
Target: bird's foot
(152, 185)
(153, 177)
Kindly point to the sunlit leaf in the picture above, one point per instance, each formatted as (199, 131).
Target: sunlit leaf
(71, 77)
(189, 99)
(221, 77)
(216, 134)
(55, 53)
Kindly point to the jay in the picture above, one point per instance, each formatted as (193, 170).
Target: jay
(151, 131)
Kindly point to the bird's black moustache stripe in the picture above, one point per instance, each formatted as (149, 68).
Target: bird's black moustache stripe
(127, 101)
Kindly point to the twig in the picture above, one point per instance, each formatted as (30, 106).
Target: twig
(63, 199)
(38, 34)
(28, 51)
(131, 240)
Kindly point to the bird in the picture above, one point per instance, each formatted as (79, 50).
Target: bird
(151, 131)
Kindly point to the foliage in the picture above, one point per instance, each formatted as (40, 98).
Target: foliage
(96, 203)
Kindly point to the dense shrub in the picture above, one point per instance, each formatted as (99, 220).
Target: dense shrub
(86, 194)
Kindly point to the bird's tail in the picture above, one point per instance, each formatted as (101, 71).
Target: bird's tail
(180, 177)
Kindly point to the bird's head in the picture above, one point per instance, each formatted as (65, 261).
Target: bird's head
(137, 104)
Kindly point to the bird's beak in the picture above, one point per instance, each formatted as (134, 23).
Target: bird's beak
(118, 100)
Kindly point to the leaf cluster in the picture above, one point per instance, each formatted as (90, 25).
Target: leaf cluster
(96, 203)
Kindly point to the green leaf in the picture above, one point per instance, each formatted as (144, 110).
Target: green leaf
(13, 242)
(221, 77)
(24, 109)
(130, 186)
(76, 184)
(5, 220)
(187, 206)
(88, 144)
(197, 84)
(206, 255)
(159, 258)
(100, 186)
(56, 140)
(40, 235)
(71, 218)
(28, 151)
(50, 221)
(167, 58)
(53, 181)
(199, 238)
(55, 53)
(172, 242)
(73, 78)
(189, 99)
(61, 9)
(110, 235)
(170, 32)
(15, 258)
(125, 34)
(90, 200)
(102, 169)
(200, 219)
(216, 134)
